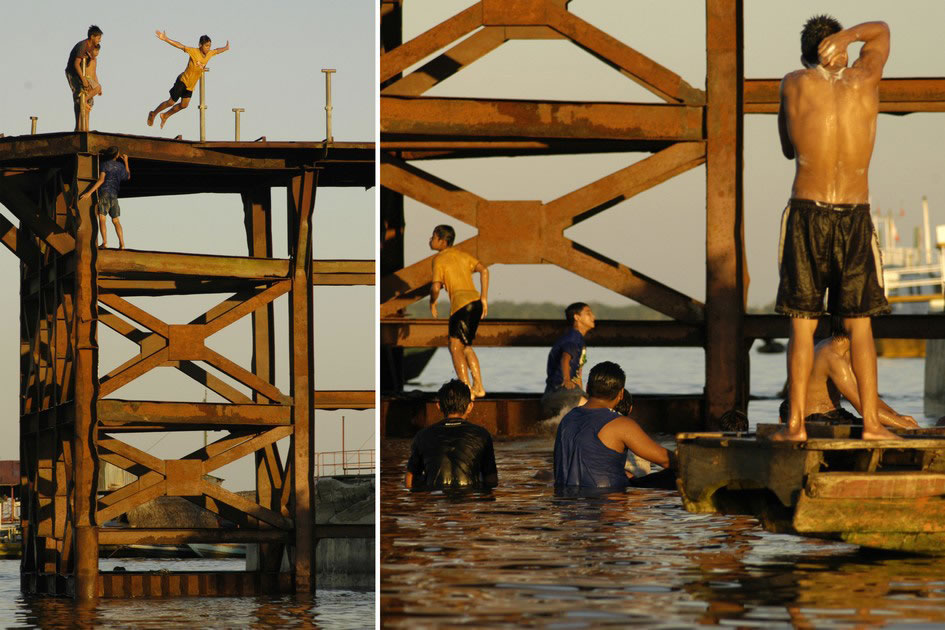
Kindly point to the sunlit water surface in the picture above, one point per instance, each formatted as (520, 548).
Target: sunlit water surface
(519, 556)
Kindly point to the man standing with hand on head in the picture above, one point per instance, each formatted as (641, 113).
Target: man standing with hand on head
(827, 124)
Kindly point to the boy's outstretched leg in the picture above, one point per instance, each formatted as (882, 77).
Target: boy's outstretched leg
(182, 105)
(161, 107)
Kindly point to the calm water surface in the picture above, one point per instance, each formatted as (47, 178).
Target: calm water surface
(329, 609)
(522, 557)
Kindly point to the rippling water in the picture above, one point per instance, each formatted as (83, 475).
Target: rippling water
(329, 609)
(522, 557)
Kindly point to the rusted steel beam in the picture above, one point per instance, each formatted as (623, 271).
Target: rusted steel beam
(405, 286)
(402, 57)
(343, 272)
(516, 415)
(9, 235)
(419, 333)
(623, 280)
(299, 206)
(726, 364)
(641, 69)
(885, 327)
(29, 214)
(125, 263)
(448, 63)
(896, 96)
(85, 458)
(430, 190)
(137, 584)
(598, 196)
(178, 286)
(210, 381)
(178, 536)
(244, 505)
(344, 399)
(429, 116)
(114, 413)
(343, 531)
(250, 446)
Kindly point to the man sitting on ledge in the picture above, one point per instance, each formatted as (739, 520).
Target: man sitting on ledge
(592, 440)
(452, 453)
(832, 377)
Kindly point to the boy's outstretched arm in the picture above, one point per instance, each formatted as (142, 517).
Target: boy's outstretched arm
(223, 49)
(161, 35)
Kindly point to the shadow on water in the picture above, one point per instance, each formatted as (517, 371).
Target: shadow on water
(526, 557)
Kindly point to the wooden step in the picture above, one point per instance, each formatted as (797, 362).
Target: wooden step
(875, 485)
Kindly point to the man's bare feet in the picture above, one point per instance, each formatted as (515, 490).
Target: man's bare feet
(151, 116)
(479, 393)
(789, 436)
(882, 433)
(163, 120)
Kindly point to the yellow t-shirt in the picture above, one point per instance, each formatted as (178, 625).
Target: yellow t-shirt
(454, 268)
(195, 65)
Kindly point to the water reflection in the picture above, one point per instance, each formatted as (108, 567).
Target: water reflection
(328, 609)
(523, 556)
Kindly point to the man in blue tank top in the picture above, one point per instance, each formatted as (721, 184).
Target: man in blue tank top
(592, 440)
(452, 453)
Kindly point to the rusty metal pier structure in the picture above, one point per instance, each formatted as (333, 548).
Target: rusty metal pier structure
(691, 127)
(69, 424)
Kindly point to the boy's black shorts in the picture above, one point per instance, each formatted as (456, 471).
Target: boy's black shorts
(465, 322)
(179, 90)
(829, 249)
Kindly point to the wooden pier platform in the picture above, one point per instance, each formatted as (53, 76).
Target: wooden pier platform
(884, 494)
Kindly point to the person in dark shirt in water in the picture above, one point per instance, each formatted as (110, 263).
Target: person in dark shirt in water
(452, 453)
(592, 440)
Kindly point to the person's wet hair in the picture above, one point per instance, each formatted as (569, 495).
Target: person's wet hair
(837, 329)
(626, 403)
(815, 30)
(572, 311)
(454, 397)
(203, 40)
(93, 31)
(606, 380)
(109, 154)
(446, 233)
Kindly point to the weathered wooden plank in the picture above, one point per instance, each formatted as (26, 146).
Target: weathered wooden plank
(875, 485)
(900, 515)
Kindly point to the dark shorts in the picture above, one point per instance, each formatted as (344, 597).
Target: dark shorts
(465, 322)
(75, 84)
(829, 249)
(180, 91)
(108, 204)
(560, 399)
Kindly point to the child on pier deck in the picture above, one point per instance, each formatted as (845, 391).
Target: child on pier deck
(183, 87)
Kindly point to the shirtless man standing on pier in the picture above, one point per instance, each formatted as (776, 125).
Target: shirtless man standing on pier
(827, 124)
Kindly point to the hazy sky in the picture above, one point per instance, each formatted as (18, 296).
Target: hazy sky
(273, 71)
(661, 232)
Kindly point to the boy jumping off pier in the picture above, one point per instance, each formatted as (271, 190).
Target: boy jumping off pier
(183, 87)
(827, 124)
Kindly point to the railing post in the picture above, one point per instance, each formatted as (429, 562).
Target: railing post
(83, 104)
(203, 105)
(236, 111)
(328, 72)
(33, 120)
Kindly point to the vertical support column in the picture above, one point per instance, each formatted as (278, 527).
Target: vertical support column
(391, 260)
(726, 361)
(257, 219)
(301, 203)
(85, 458)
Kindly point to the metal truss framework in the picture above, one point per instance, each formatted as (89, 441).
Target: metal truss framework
(692, 127)
(68, 425)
